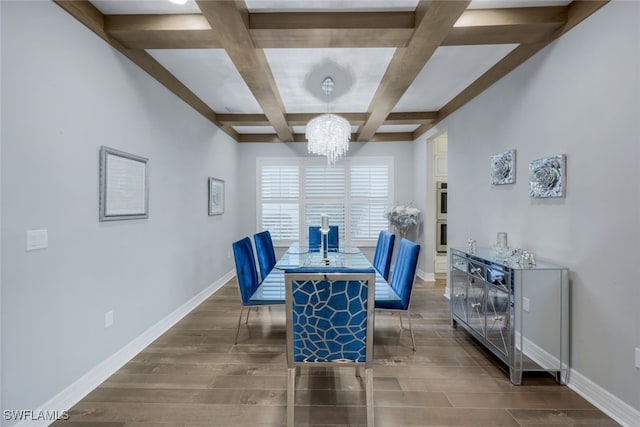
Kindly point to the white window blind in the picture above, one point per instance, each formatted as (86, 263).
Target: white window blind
(355, 194)
(280, 196)
(324, 192)
(369, 188)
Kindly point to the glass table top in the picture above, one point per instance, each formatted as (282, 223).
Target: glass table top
(272, 289)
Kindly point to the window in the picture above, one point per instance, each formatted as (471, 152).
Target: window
(355, 194)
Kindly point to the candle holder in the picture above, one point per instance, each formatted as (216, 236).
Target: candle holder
(324, 245)
(502, 247)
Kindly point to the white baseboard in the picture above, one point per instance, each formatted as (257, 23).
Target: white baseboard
(71, 395)
(596, 395)
(603, 400)
(427, 277)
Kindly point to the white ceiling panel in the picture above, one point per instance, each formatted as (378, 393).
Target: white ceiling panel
(330, 5)
(495, 4)
(254, 129)
(211, 75)
(144, 7)
(299, 74)
(449, 71)
(397, 128)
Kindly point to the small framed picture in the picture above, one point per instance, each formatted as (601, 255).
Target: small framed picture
(124, 188)
(216, 196)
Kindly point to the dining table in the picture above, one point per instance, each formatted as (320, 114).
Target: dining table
(298, 255)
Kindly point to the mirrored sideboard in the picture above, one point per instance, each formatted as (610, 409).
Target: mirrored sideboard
(521, 314)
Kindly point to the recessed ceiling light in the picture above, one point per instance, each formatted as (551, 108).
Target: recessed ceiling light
(178, 1)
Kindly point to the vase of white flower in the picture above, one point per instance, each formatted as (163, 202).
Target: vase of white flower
(403, 218)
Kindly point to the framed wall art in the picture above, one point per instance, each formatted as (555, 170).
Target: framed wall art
(124, 186)
(216, 196)
(503, 168)
(548, 177)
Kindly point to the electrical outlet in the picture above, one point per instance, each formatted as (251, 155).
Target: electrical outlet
(37, 239)
(526, 304)
(108, 319)
(638, 357)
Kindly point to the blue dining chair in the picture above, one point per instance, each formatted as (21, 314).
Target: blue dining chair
(247, 276)
(404, 271)
(330, 315)
(266, 253)
(315, 238)
(384, 253)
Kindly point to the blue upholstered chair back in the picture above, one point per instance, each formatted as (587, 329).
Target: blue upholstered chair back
(315, 238)
(383, 254)
(245, 268)
(330, 315)
(266, 253)
(404, 270)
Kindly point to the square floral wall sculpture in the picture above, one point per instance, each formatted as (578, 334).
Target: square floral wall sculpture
(547, 177)
(503, 168)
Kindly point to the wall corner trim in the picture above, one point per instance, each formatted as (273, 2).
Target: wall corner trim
(427, 277)
(75, 392)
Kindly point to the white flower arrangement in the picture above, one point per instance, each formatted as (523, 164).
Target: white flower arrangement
(403, 217)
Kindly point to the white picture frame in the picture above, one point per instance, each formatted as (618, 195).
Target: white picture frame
(216, 196)
(124, 186)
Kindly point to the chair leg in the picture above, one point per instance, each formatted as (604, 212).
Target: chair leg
(238, 330)
(369, 394)
(413, 341)
(291, 395)
(248, 311)
(401, 325)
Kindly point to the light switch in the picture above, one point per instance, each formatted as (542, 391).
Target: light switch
(37, 239)
(526, 304)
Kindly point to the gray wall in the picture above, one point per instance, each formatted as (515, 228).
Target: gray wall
(64, 94)
(580, 97)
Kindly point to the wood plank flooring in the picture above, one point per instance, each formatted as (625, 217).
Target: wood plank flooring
(194, 376)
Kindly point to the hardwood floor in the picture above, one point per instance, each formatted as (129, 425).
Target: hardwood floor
(194, 376)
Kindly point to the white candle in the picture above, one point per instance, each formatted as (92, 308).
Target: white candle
(324, 221)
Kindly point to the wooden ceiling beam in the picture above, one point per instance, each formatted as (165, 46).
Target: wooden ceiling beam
(301, 119)
(438, 18)
(331, 29)
(577, 11)
(187, 31)
(228, 19)
(335, 29)
(299, 137)
(243, 119)
(93, 19)
(504, 26)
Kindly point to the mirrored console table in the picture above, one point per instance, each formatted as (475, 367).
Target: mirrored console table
(521, 314)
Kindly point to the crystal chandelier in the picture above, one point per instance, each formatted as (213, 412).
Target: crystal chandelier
(328, 134)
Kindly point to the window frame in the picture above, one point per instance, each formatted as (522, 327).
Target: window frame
(302, 201)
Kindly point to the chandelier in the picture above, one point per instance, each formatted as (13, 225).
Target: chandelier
(328, 134)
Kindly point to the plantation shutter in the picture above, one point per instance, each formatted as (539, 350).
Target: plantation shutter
(280, 196)
(324, 192)
(369, 190)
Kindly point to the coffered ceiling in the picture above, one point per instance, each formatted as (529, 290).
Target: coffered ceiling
(255, 67)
